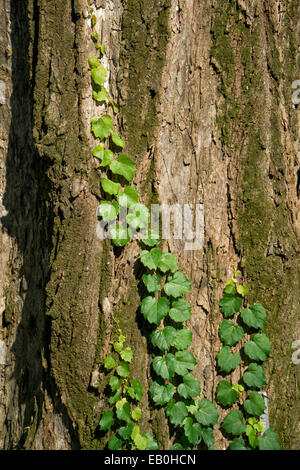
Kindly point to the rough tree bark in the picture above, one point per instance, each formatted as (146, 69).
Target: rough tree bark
(204, 88)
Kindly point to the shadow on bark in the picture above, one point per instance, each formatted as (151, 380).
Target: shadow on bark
(29, 222)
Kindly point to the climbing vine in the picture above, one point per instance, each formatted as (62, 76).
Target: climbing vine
(174, 386)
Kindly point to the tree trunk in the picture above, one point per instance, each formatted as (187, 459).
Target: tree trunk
(204, 89)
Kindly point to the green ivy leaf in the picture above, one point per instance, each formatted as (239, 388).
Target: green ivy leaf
(176, 411)
(151, 238)
(190, 387)
(110, 187)
(100, 94)
(107, 420)
(229, 333)
(258, 349)
(252, 437)
(94, 62)
(238, 444)
(140, 440)
(123, 370)
(254, 316)
(164, 366)
(109, 363)
(126, 431)
(233, 423)
(183, 338)
(152, 282)
(268, 441)
(168, 262)
(255, 405)
(108, 211)
(136, 413)
(115, 383)
(192, 431)
(127, 354)
(155, 310)
(152, 444)
(161, 394)
(207, 413)
(123, 413)
(242, 290)
(177, 446)
(227, 360)
(102, 127)
(135, 390)
(230, 304)
(107, 158)
(99, 75)
(163, 338)
(150, 259)
(230, 287)
(138, 216)
(184, 361)
(180, 311)
(117, 140)
(98, 151)
(177, 285)
(124, 166)
(115, 443)
(115, 397)
(128, 198)
(254, 376)
(226, 396)
(208, 437)
(120, 235)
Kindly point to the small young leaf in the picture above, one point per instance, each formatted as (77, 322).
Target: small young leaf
(227, 360)
(180, 311)
(155, 310)
(268, 441)
(233, 423)
(226, 396)
(207, 413)
(95, 36)
(117, 140)
(109, 363)
(252, 437)
(255, 405)
(99, 75)
(258, 349)
(164, 366)
(138, 216)
(190, 387)
(110, 187)
(123, 370)
(127, 354)
(177, 285)
(120, 235)
(100, 93)
(254, 376)
(94, 62)
(242, 290)
(176, 411)
(128, 198)
(108, 211)
(107, 420)
(102, 127)
(161, 394)
(115, 443)
(124, 166)
(229, 333)
(230, 287)
(98, 151)
(93, 20)
(184, 361)
(254, 316)
(136, 414)
(230, 304)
